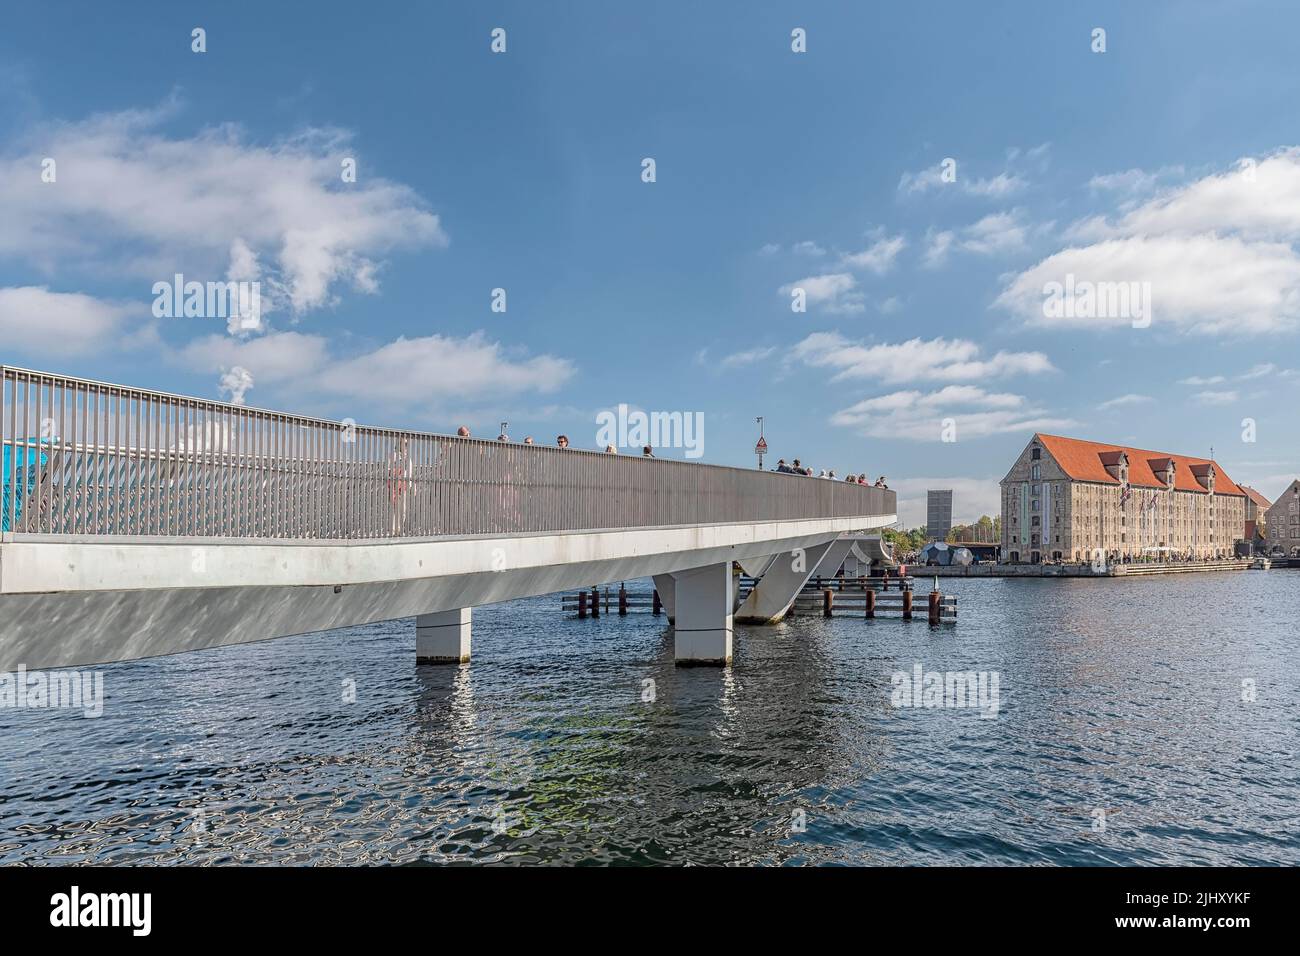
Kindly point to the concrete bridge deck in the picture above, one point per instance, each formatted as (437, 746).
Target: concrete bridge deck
(138, 523)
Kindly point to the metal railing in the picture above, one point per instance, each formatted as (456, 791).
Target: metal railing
(89, 458)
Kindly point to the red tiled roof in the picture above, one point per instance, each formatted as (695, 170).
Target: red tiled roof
(1256, 497)
(1083, 461)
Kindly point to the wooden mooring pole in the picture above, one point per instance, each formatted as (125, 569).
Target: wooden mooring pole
(935, 599)
(828, 602)
(871, 602)
(595, 601)
(907, 605)
(582, 605)
(622, 600)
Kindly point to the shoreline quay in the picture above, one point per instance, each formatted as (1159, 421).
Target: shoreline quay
(1072, 570)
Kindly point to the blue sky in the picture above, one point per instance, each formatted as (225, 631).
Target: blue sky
(1171, 158)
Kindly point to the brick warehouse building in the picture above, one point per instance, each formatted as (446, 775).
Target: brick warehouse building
(1282, 522)
(1064, 498)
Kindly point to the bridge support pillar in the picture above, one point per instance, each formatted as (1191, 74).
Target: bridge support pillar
(667, 595)
(785, 577)
(443, 638)
(702, 624)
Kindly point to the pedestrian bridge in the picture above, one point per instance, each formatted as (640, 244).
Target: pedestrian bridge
(138, 523)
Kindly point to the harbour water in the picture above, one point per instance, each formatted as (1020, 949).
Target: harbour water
(1141, 721)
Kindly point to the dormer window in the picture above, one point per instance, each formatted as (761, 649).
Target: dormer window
(1116, 464)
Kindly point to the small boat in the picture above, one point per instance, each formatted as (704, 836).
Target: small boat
(1261, 564)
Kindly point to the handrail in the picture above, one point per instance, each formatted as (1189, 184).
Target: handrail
(91, 458)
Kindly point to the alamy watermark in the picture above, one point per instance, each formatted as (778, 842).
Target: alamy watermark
(62, 688)
(74, 908)
(638, 429)
(235, 299)
(1075, 299)
(948, 689)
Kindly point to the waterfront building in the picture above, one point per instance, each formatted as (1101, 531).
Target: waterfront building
(938, 514)
(1256, 508)
(1282, 521)
(1066, 499)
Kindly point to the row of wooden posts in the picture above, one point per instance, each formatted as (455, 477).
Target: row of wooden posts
(859, 596)
(940, 608)
(589, 603)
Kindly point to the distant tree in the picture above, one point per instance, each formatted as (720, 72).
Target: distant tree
(984, 531)
(910, 540)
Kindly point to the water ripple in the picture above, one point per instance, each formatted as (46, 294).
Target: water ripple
(1114, 698)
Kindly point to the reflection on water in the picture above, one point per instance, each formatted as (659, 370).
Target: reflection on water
(1117, 696)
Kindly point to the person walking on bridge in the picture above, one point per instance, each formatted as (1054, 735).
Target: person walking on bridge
(400, 473)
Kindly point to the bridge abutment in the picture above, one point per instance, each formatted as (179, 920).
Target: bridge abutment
(443, 638)
(702, 623)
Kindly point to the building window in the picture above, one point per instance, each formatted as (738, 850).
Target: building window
(1036, 454)
(1036, 472)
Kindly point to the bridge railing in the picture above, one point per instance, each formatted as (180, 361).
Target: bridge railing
(90, 458)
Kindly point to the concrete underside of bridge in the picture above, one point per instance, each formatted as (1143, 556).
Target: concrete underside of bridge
(69, 602)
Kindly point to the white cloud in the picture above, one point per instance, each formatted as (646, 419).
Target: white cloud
(878, 257)
(235, 384)
(1266, 370)
(769, 249)
(940, 359)
(1258, 201)
(1200, 284)
(1003, 184)
(1219, 253)
(275, 359)
(1130, 399)
(132, 199)
(921, 416)
(807, 248)
(747, 357)
(1226, 397)
(1133, 182)
(998, 187)
(834, 292)
(40, 322)
(996, 233)
(1262, 370)
(938, 245)
(412, 374)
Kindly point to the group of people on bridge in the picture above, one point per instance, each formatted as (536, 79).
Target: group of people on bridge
(561, 441)
(798, 468)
